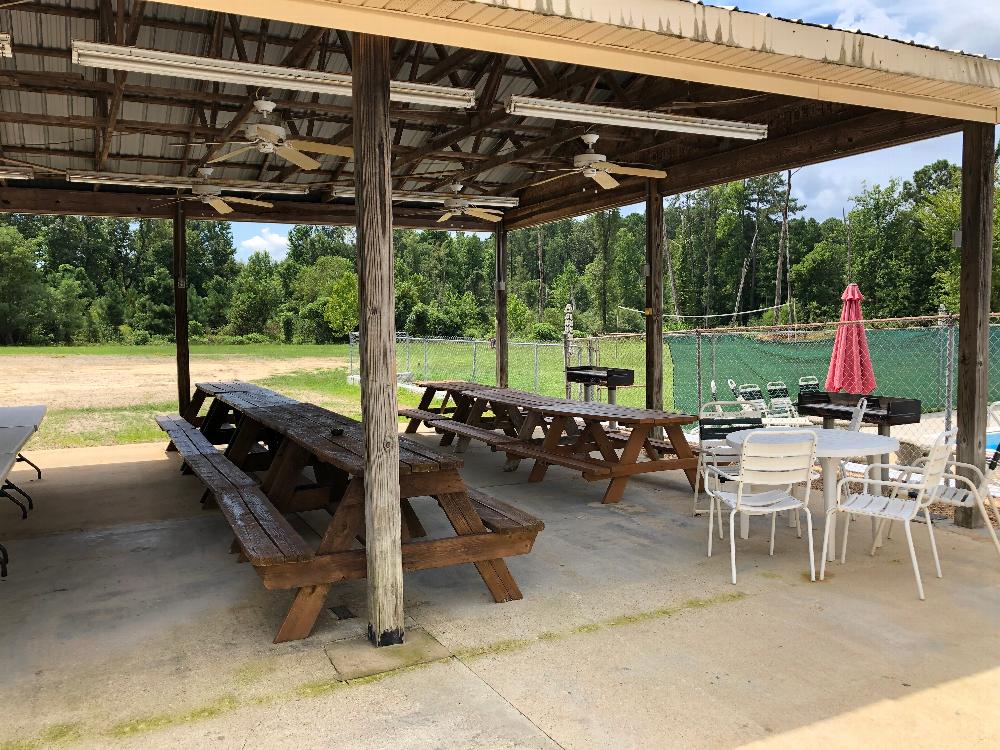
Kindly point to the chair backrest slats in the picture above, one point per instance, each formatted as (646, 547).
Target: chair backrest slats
(776, 458)
(858, 415)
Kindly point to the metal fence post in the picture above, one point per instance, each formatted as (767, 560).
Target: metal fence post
(409, 351)
(425, 359)
(536, 368)
(949, 398)
(475, 350)
(697, 360)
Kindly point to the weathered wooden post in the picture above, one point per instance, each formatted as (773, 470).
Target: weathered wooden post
(503, 345)
(654, 296)
(377, 345)
(974, 306)
(181, 310)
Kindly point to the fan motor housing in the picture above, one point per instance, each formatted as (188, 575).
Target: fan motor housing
(587, 159)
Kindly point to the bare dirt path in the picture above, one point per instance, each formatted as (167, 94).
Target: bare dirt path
(78, 381)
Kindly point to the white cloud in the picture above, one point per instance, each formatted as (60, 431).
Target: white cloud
(268, 241)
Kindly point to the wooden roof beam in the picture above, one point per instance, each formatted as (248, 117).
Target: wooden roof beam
(114, 105)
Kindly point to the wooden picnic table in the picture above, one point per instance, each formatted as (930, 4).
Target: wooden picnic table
(572, 431)
(294, 436)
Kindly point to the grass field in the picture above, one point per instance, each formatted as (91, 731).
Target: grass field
(265, 351)
(323, 385)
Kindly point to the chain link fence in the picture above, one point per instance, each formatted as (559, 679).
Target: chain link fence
(912, 358)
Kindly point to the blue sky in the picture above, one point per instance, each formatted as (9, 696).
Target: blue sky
(825, 189)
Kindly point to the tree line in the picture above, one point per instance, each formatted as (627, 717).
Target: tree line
(739, 253)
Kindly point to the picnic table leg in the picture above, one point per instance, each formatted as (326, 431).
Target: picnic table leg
(682, 449)
(279, 483)
(549, 445)
(244, 440)
(197, 401)
(474, 417)
(347, 522)
(463, 405)
(630, 455)
(495, 573)
(425, 401)
(525, 432)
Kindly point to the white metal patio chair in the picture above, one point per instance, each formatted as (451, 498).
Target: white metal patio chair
(771, 464)
(808, 384)
(904, 502)
(716, 421)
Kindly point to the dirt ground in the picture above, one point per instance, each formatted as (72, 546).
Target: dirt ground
(104, 381)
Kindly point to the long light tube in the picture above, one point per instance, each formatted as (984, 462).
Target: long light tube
(182, 183)
(155, 62)
(416, 196)
(16, 173)
(525, 106)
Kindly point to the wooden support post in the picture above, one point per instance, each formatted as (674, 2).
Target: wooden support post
(503, 350)
(181, 311)
(974, 306)
(654, 296)
(373, 198)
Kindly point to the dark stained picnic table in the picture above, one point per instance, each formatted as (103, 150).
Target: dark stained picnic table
(573, 430)
(291, 436)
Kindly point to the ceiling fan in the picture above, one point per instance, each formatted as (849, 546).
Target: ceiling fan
(457, 204)
(597, 167)
(211, 195)
(272, 138)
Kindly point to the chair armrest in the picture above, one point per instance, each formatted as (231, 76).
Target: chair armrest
(970, 468)
(720, 474)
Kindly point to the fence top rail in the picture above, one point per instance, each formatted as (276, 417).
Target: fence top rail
(936, 319)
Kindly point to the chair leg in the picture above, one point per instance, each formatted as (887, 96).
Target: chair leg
(913, 559)
(798, 523)
(774, 517)
(876, 534)
(934, 550)
(732, 542)
(826, 543)
(843, 544)
(711, 521)
(697, 485)
(812, 553)
(718, 509)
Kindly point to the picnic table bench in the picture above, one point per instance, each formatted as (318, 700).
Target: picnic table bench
(291, 437)
(572, 431)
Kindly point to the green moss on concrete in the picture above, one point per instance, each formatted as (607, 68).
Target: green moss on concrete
(160, 721)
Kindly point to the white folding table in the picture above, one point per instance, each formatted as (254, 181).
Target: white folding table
(831, 447)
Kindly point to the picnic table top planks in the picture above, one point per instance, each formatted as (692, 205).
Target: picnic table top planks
(551, 406)
(331, 437)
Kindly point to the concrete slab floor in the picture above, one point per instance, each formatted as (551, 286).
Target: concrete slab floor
(126, 623)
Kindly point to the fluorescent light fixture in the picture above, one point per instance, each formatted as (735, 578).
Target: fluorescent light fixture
(525, 106)
(183, 183)
(16, 173)
(154, 62)
(416, 196)
(6, 48)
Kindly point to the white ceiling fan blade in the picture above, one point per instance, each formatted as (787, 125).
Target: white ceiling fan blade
(296, 157)
(231, 154)
(322, 148)
(603, 179)
(446, 217)
(248, 201)
(557, 177)
(655, 174)
(480, 213)
(219, 205)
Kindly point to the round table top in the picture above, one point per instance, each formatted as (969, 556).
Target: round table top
(831, 443)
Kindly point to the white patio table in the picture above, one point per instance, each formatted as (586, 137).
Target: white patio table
(22, 416)
(831, 447)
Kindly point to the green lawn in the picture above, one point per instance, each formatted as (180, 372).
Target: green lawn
(78, 428)
(266, 351)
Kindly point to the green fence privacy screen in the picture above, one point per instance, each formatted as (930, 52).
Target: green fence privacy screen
(910, 362)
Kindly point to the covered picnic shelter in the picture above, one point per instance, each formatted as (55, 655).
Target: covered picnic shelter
(92, 140)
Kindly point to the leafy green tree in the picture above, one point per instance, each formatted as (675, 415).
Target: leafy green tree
(256, 297)
(342, 305)
(22, 291)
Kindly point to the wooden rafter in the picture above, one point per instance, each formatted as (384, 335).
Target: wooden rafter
(114, 104)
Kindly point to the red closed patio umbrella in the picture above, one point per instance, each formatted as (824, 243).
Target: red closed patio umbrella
(851, 364)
